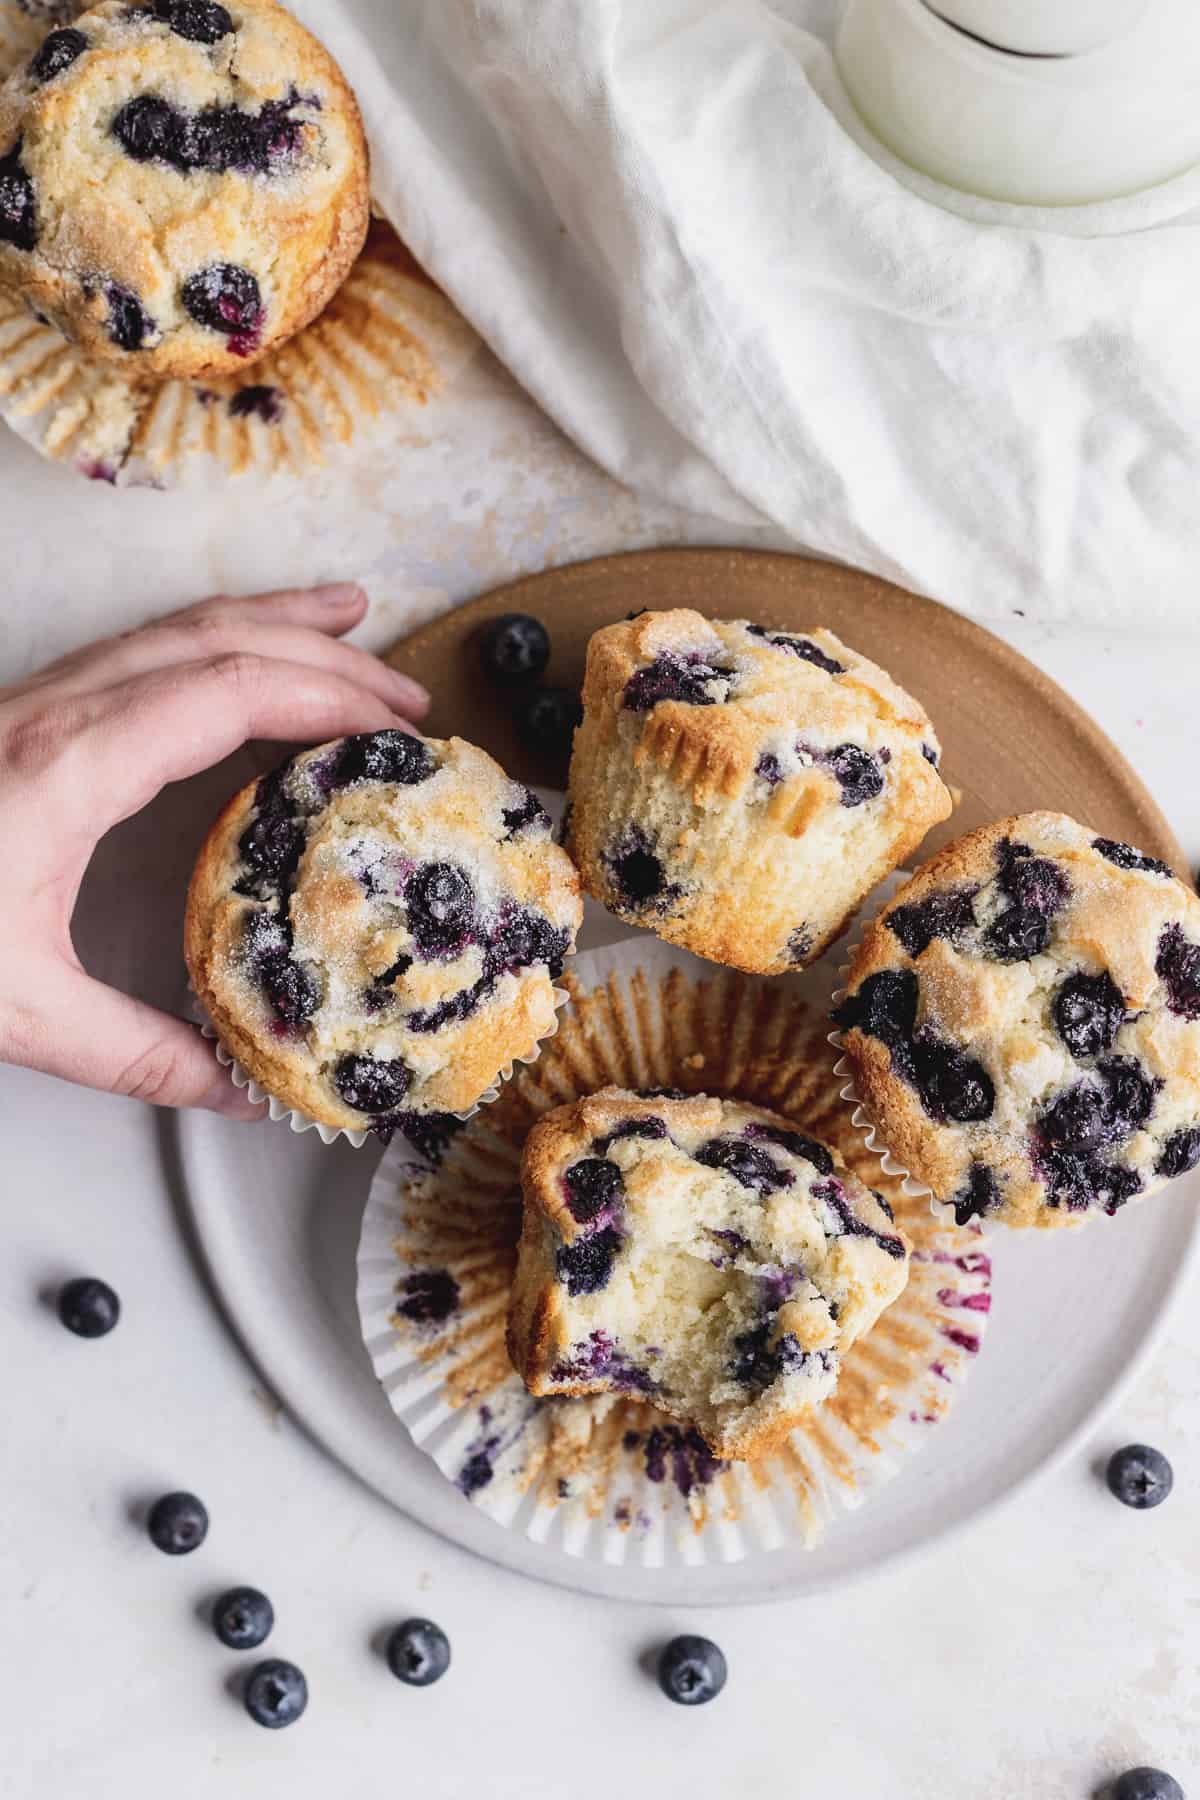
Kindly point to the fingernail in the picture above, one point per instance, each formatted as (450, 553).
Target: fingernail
(232, 1102)
(339, 594)
(411, 695)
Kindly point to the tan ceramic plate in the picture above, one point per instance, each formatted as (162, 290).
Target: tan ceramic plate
(1013, 741)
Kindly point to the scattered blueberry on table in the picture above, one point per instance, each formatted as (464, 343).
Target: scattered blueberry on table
(1139, 1476)
(418, 1652)
(546, 720)
(691, 1670)
(514, 648)
(1147, 1784)
(88, 1307)
(178, 1524)
(242, 1618)
(275, 1694)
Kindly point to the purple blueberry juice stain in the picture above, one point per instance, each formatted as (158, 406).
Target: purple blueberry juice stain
(259, 401)
(430, 1296)
(600, 1358)
(950, 1297)
(834, 1196)
(963, 1340)
(685, 1453)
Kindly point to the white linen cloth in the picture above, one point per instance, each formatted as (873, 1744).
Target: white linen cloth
(666, 220)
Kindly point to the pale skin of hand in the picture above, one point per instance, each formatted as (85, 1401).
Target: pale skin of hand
(92, 739)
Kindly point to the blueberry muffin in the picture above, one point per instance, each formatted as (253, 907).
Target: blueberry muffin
(740, 791)
(1023, 1023)
(375, 929)
(183, 184)
(699, 1253)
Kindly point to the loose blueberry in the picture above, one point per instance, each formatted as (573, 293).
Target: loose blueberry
(546, 721)
(1088, 1012)
(1146, 1784)
(430, 1296)
(945, 915)
(88, 1307)
(683, 678)
(18, 218)
(514, 648)
(1180, 1153)
(418, 1653)
(275, 1694)
(57, 53)
(802, 647)
(201, 21)
(178, 1524)
(242, 1618)
(1126, 857)
(750, 1167)
(585, 1266)
(372, 1084)
(384, 756)
(856, 772)
(226, 298)
(691, 1670)
(1178, 965)
(591, 1185)
(1139, 1476)
(441, 908)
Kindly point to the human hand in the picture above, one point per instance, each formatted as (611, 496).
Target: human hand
(92, 739)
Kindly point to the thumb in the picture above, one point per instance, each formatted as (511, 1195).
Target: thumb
(104, 1039)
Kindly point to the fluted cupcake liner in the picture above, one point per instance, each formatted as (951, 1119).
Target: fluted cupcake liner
(298, 1121)
(389, 342)
(610, 1479)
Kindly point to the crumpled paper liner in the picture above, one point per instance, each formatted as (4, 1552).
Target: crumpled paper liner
(610, 1479)
(388, 342)
(296, 1120)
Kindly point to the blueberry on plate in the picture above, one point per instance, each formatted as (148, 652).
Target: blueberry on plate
(88, 1307)
(546, 721)
(691, 1670)
(1146, 1784)
(275, 1694)
(418, 1652)
(242, 1618)
(178, 1523)
(1139, 1476)
(514, 648)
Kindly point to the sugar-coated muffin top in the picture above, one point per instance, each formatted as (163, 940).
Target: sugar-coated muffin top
(778, 705)
(701, 1252)
(183, 183)
(376, 927)
(1024, 1023)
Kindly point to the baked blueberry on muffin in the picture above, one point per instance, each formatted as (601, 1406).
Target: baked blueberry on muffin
(739, 790)
(183, 184)
(375, 929)
(697, 1252)
(1023, 1023)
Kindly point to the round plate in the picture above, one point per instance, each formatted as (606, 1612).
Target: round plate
(278, 1215)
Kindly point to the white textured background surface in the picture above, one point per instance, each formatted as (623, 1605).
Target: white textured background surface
(1054, 1644)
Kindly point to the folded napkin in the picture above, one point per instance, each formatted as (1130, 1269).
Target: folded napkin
(664, 216)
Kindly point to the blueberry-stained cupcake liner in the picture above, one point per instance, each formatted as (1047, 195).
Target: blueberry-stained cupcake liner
(609, 1478)
(282, 1114)
(389, 343)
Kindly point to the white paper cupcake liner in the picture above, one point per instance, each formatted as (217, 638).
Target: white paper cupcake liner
(296, 1120)
(389, 342)
(610, 1479)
